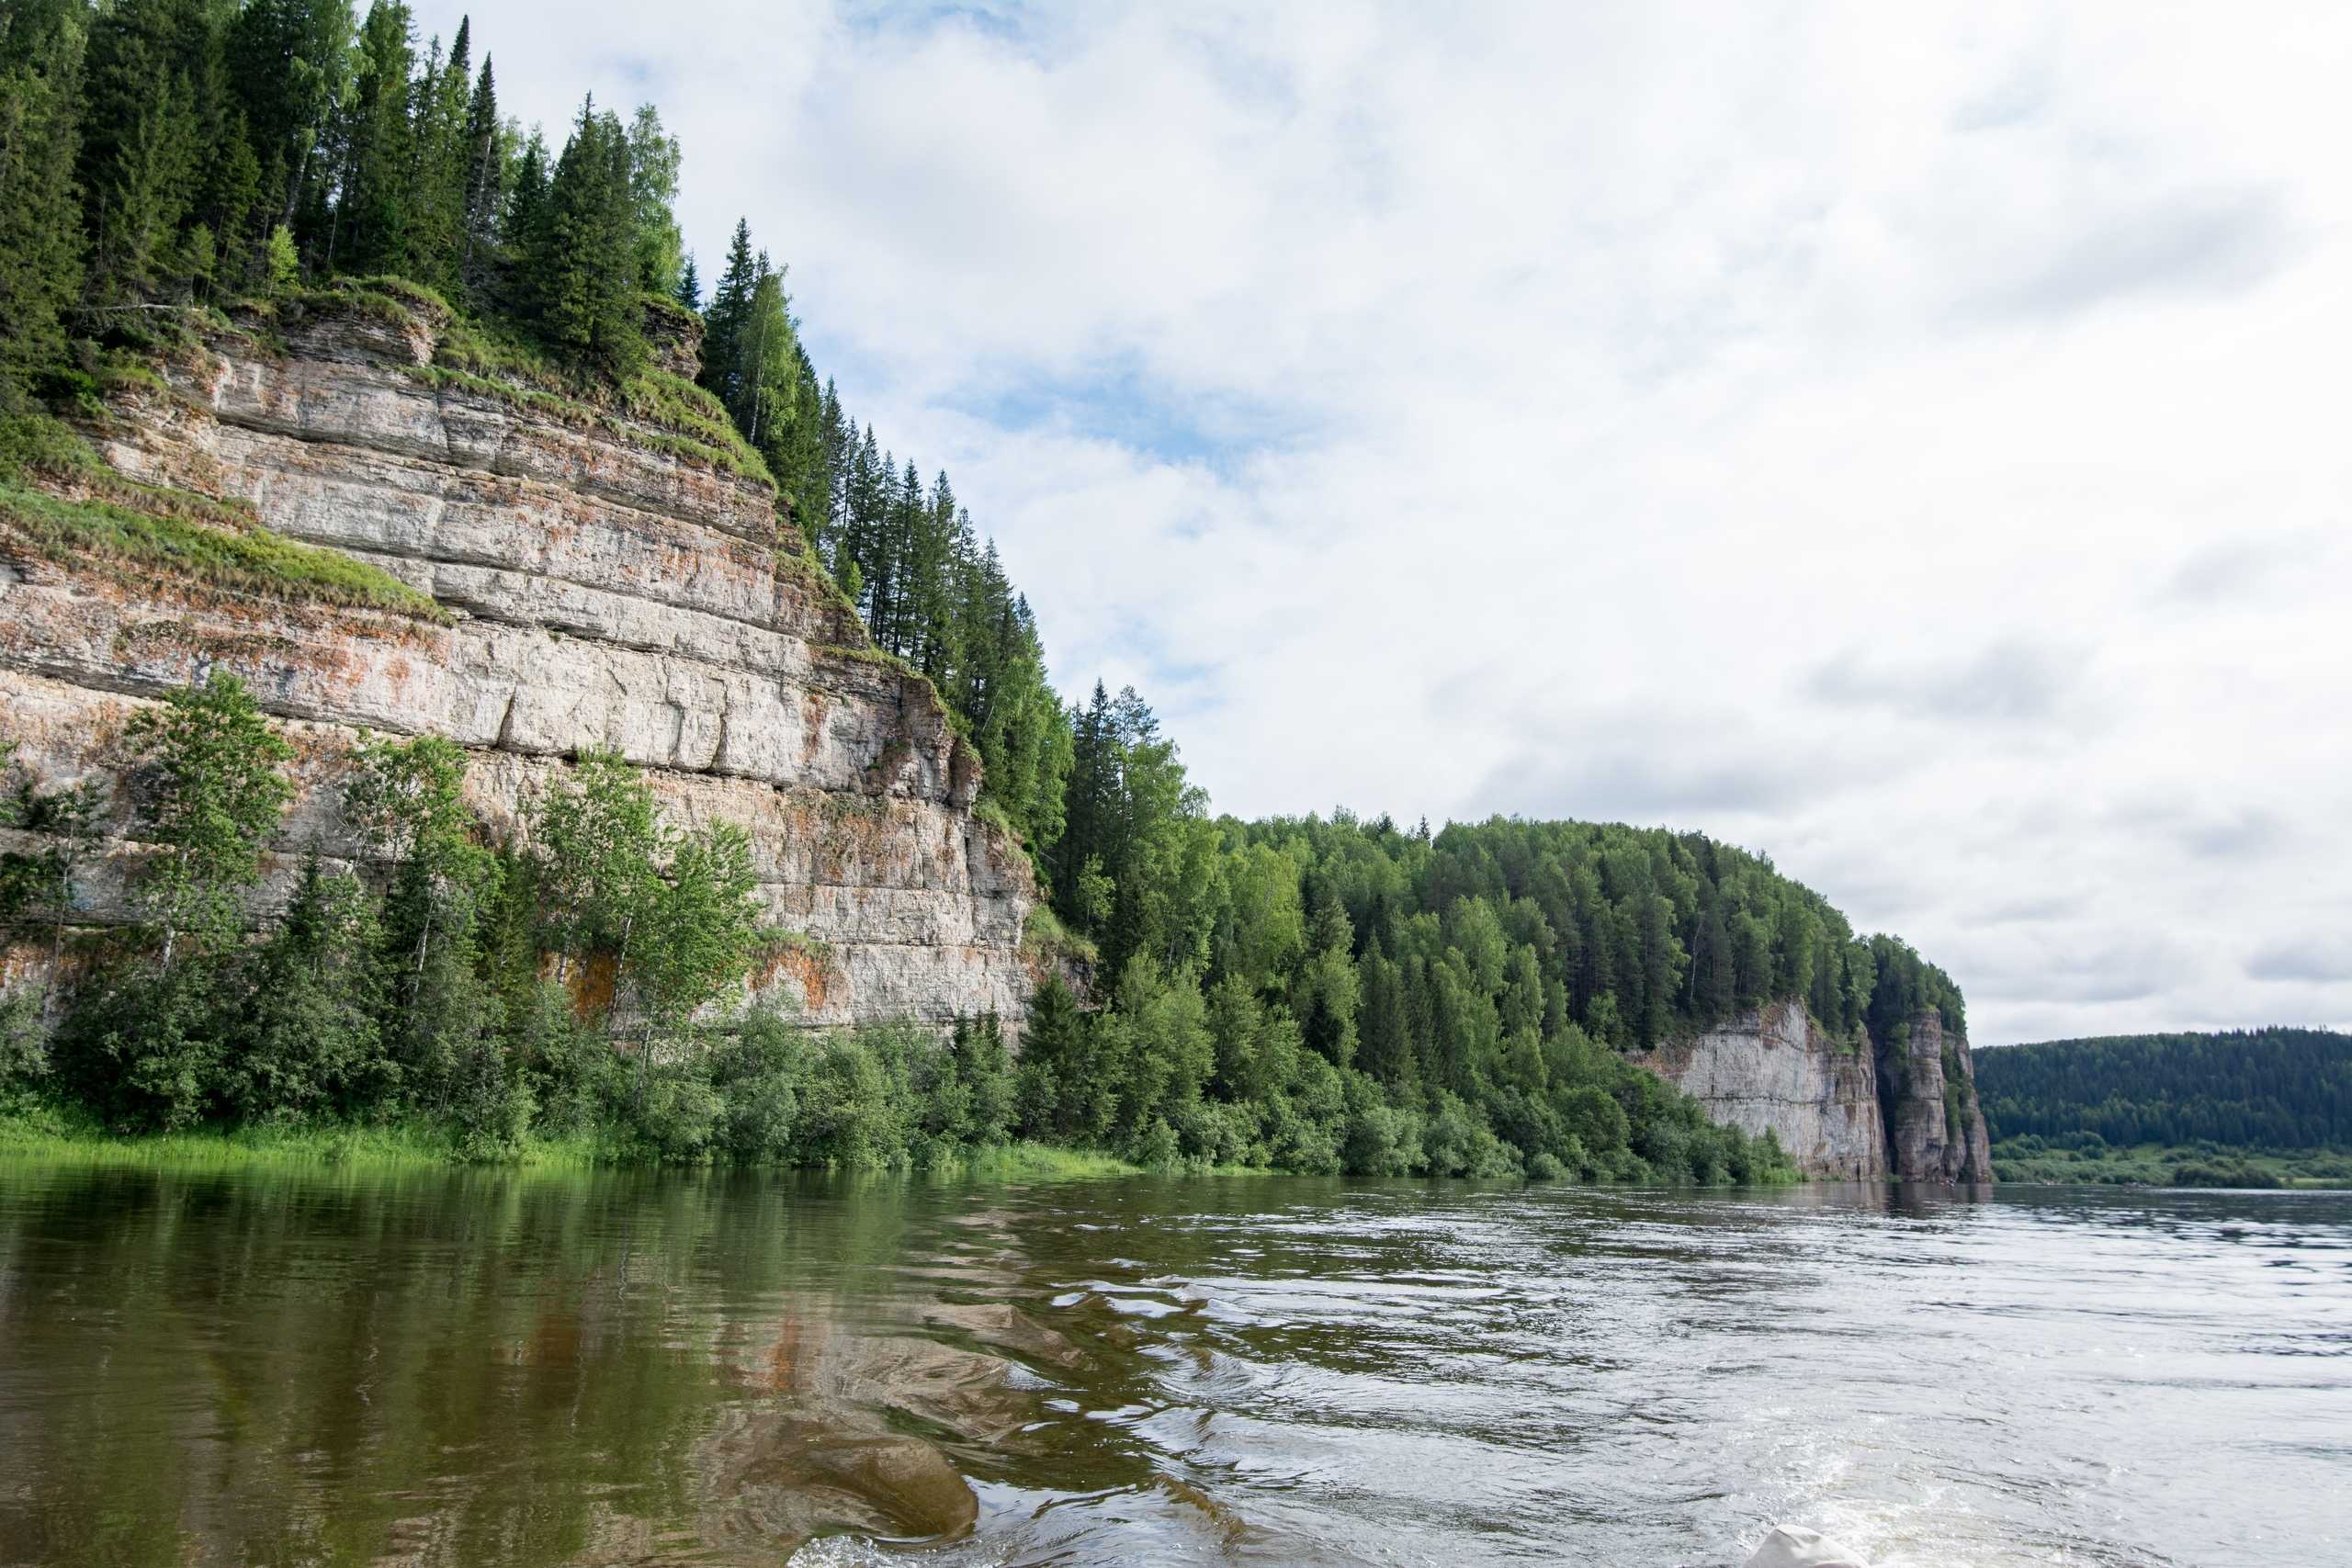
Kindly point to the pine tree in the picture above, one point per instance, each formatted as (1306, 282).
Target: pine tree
(689, 292)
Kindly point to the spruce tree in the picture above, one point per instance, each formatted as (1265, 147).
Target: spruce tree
(485, 163)
(581, 278)
(523, 226)
(442, 166)
(139, 155)
(288, 66)
(730, 308)
(41, 238)
(372, 213)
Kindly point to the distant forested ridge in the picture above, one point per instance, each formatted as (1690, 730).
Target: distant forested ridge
(1316, 993)
(2275, 1088)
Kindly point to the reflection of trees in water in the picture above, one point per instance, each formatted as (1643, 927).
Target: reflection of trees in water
(433, 1369)
(271, 1368)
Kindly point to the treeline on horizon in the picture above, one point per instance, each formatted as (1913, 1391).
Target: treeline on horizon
(1320, 995)
(2265, 1088)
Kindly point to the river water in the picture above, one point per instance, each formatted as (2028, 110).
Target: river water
(468, 1368)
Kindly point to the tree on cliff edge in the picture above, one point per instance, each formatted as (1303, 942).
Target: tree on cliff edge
(579, 277)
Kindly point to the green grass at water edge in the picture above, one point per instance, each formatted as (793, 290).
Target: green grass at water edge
(2160, 1165)
(1027, 1161)
(66, 1137)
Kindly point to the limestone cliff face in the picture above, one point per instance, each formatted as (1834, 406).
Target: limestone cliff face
(1774, 1069)
(608, 588)
(1927, 1081)
(1844, 1112)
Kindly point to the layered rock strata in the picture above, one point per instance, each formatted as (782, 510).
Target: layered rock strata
(1903, 1109)
(1928, 1082)
(608, 587)
(1775, 1070)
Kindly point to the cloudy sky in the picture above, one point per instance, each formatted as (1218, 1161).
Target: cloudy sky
(1911, 445)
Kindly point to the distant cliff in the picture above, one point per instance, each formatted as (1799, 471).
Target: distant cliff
(603, 583)
(1903, 1108)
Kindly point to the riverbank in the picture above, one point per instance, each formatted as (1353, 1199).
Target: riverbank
(50, 1134)
(2166, 1164)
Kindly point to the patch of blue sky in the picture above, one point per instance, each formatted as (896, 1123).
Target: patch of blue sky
(1008, 23)
(1120, 404)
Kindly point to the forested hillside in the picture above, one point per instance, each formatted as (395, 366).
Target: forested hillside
(2270, 1089)
(1315, 994)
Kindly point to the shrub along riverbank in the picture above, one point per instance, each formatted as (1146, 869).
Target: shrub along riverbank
(2085, 1158)
(427, 1010)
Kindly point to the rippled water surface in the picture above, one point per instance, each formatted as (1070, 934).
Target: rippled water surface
(275, 1368)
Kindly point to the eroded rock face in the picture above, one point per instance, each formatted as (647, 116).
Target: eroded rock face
(608, 589)
(1844, 1112)
(1927, 1081)
(1775, 1070)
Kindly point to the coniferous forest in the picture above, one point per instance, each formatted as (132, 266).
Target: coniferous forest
(2270, 1089)
(1317, 994)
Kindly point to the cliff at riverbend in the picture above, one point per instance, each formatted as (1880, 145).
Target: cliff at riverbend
(1846, 1109)
(548, 579)
(591, 582)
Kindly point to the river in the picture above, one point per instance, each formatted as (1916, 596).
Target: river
(466, 1368)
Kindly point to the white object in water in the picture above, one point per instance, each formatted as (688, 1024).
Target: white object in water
(1794, 1546)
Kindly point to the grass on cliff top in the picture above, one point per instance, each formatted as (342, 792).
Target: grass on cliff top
(692, 422)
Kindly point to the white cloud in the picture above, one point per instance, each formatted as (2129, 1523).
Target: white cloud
(1906, 441)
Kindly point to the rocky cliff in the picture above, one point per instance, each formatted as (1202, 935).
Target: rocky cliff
(1934, 1127)
(603, 583)
(1904, 1108)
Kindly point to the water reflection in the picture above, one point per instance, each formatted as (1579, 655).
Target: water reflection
(455, 1369)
